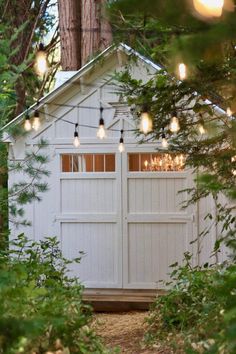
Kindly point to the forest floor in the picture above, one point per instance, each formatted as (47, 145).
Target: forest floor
(125, 331)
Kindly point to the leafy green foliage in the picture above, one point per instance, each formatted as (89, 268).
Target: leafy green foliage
(41, 306)
(22, 26)
(188, 300)
(198, 313)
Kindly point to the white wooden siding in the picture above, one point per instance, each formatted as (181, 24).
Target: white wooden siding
(156, 230)
(156, 192)
(152, 248)
(89, 195)
(100, 265)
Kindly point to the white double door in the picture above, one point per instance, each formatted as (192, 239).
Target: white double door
(129, 225)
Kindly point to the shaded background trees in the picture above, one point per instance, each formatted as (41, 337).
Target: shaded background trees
(84, 31)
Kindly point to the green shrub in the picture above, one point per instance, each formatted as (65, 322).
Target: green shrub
(225, 338)
(41, 307)
(191, 308)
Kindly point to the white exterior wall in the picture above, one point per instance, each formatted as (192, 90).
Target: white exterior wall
(130, 225)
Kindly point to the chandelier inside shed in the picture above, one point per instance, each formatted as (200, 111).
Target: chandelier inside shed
(164, 162)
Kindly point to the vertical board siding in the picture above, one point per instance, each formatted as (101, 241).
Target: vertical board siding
(63, 129)
(109, 92)
(156, 195)
(90, 116)
(152, 249)
(207, 241)
(99, 242)
(158, 230)
(88, 196)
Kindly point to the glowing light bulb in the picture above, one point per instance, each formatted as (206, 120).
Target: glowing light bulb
(76, 136)
(182, 71)
(41, 64)
(201, 129)
(101, 133)
(27, 124)
(174, 124)
(36, 121)
(229, 112)
(181, 160)
(209, 8)
(233, 159)
(121, 146)
(76, 141)
(145, 123)
(164, 143)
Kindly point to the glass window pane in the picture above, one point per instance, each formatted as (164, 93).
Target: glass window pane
(99, 163)
(145, 162)
(110, 162)
(66, 163)
(154, 162)
(75, 163)
(134, 162)
(88, 163)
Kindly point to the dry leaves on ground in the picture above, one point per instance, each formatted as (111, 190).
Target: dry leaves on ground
(126, 331)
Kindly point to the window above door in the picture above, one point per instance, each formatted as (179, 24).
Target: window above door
(155, 162)
(88, 163)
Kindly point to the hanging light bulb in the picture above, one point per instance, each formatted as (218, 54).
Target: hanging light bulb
(101, 133)
(76, 136)
(209, 8)
(36, 121)
(233, 159)
(201, 125)
(145, 122)
(229, 112)
(174, 124)
(164, 141)
(41, 63)
(27, 124)
(182, 71)
(121, 143)
(201, 129)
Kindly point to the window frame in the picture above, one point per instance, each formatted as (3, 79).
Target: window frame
(151, 156)
(82, 165)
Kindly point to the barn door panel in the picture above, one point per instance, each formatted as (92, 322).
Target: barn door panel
(90, 219)
(156, 230)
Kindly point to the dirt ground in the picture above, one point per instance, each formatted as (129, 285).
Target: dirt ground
(125, 330)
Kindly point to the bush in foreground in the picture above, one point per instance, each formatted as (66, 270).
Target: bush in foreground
(198, 314)
(41, 308)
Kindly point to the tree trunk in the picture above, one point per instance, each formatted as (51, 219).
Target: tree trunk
(96, 30)
(106, 32)
(90, 29)
(16, 14)
(70, 33)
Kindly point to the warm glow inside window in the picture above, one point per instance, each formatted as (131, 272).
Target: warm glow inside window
(88, 163)
(154, 162)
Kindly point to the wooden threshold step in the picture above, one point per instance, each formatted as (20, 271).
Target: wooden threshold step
(120, 299)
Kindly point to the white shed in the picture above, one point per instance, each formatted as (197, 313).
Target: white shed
(121, 209)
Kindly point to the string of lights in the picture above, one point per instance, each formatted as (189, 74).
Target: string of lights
(145, 126)
(101, 131)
